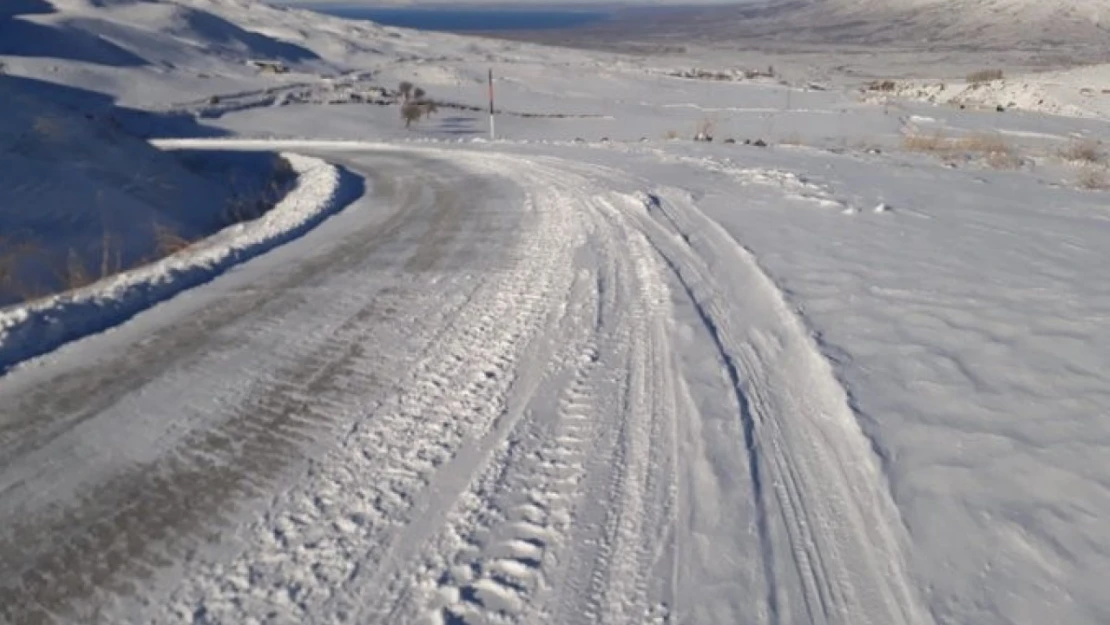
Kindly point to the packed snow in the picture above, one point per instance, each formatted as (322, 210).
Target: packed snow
(691, 340)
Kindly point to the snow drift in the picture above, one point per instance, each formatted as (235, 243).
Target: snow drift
(42, 326)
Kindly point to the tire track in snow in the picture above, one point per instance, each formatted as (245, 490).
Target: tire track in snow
(831, 533)
(499, 576)
(490, 558)
(454, 394)
(507, 552)
(123, 527)
(315, 557)
(620, 592)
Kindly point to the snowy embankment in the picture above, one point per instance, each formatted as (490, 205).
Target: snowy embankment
(41, 326)
(1079, 92)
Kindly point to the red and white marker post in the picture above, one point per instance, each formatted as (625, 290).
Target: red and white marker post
(492, 128)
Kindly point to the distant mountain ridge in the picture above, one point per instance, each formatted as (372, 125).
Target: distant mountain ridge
(958, 24)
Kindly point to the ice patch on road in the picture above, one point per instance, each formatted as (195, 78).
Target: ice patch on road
(39, 327)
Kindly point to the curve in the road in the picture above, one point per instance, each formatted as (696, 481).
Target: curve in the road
(471, 410)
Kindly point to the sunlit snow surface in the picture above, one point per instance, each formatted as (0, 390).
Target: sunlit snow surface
(592, 371)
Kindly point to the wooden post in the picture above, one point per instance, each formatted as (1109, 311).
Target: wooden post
(492, 128)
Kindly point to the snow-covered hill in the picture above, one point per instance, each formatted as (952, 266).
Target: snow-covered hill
(1046, 27)
(837, 360)
(82, 194)
(987, 22)
(80, 197)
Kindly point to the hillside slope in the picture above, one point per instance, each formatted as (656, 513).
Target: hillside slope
(80, 197)
(1081, 26)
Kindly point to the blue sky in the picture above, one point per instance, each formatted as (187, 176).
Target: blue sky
(550, 4)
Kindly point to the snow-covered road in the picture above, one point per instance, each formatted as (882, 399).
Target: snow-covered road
(497, 389)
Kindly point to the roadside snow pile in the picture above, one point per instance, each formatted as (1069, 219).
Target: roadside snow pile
(42, 326)
(1080, 92)
(80, 198)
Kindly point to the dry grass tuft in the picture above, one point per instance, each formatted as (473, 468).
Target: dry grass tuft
(111, 256)
(984, 76)
(792, 139)
(14, 255)
(882, 85)
(48, 127)
(994, 149)
(704, 129)
(1083, 151)
(931, 144)
(1094, 179)
(73, 274)
(167, 241)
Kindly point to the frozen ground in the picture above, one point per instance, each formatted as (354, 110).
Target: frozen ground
(591, 372)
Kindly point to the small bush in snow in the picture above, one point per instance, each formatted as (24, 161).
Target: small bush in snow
(704, 130)
(411, 112)
(992, 148)
(74, 274)
(984, 76)
(882, 85)
(405, 88)
(15, 258)
(1084, 151)
(1095, 179)
(792, 139)
(48, 128)
(167, 241)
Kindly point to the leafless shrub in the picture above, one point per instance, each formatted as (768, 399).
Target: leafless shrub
(412, 112)
(703, 131)
(984, 76)
(932, 144)
(405, 88)
(48, 127)
(254, 203)
(168, 241)
(791, 139)
(16, 254)
(111, 256)
(1083, 151)
(993, 148)
(882, 85)
(1094, 179)
(998, 153)
(73, 274)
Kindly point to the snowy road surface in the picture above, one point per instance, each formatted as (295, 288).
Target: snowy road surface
(497, 389)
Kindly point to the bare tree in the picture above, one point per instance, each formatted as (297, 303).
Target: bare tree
(405, 88)
(411, 112)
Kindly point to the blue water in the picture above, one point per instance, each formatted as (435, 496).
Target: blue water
(468, 19)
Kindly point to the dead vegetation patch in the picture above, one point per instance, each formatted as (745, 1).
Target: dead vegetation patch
(992, 148)
(885, 86)
(984, 76)
(1094, 179)
(1087, 151)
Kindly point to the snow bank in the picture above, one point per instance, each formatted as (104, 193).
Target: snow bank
(38, 327)
(1076, 92)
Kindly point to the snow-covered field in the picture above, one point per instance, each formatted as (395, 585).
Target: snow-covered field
(846, 363)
